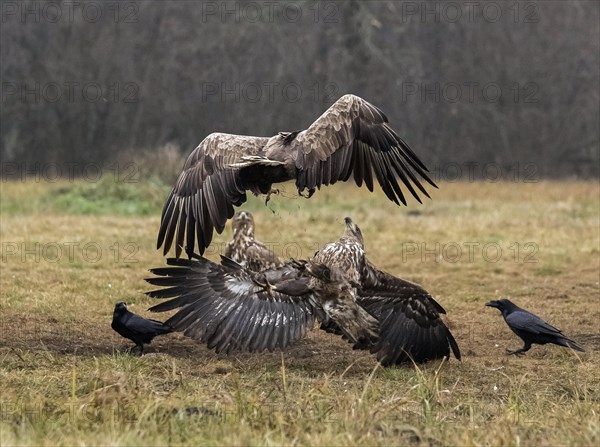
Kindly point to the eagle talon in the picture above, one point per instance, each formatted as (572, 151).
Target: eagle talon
(272, 191)
(307, 195)
(266, 286)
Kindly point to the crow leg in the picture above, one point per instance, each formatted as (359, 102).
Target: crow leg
(521, 351)
(137, 350)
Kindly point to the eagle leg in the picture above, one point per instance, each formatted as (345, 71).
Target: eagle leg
(272, 191)
(263, 282)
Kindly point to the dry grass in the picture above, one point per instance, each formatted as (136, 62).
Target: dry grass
(66, 379)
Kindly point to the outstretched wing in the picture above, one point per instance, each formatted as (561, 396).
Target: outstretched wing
(410, 326)
(205, 192)
(353, 137)
(223, 307)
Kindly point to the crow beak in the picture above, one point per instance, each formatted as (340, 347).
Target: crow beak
(492, 304)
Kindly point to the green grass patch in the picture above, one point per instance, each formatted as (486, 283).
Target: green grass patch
(103, 197)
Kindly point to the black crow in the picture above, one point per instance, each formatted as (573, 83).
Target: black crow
(137, 329)
(531, 328)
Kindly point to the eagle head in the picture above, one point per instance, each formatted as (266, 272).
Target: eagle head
(243, 223)
(352, 230)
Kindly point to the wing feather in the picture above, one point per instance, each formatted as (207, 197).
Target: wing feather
(355, 127)
(409, 318)
(205, 191)
(222, 306)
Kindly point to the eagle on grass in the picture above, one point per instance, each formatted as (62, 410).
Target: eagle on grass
(351, 139)
(245, 249)
(231, 308)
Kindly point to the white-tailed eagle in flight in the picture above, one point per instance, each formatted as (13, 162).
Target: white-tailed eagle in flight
(351, 139)
(230, 307)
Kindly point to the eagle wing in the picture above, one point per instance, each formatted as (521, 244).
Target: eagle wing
(205, 192)
(353, 137)
(410, 326)
(222, 306)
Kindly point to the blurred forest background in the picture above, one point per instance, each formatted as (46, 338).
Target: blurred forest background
(515, 84)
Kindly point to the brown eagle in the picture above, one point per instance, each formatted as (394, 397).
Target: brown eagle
(352, 138)
(245, 249)
(231, 308)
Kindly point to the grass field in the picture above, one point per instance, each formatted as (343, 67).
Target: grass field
(70, 250)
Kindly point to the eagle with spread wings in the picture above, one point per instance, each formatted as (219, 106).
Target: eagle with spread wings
(230, 307)
(351, 139)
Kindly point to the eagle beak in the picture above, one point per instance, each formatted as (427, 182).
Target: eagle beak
(348, 221)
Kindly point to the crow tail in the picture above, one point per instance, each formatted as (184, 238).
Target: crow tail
(570, 344)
